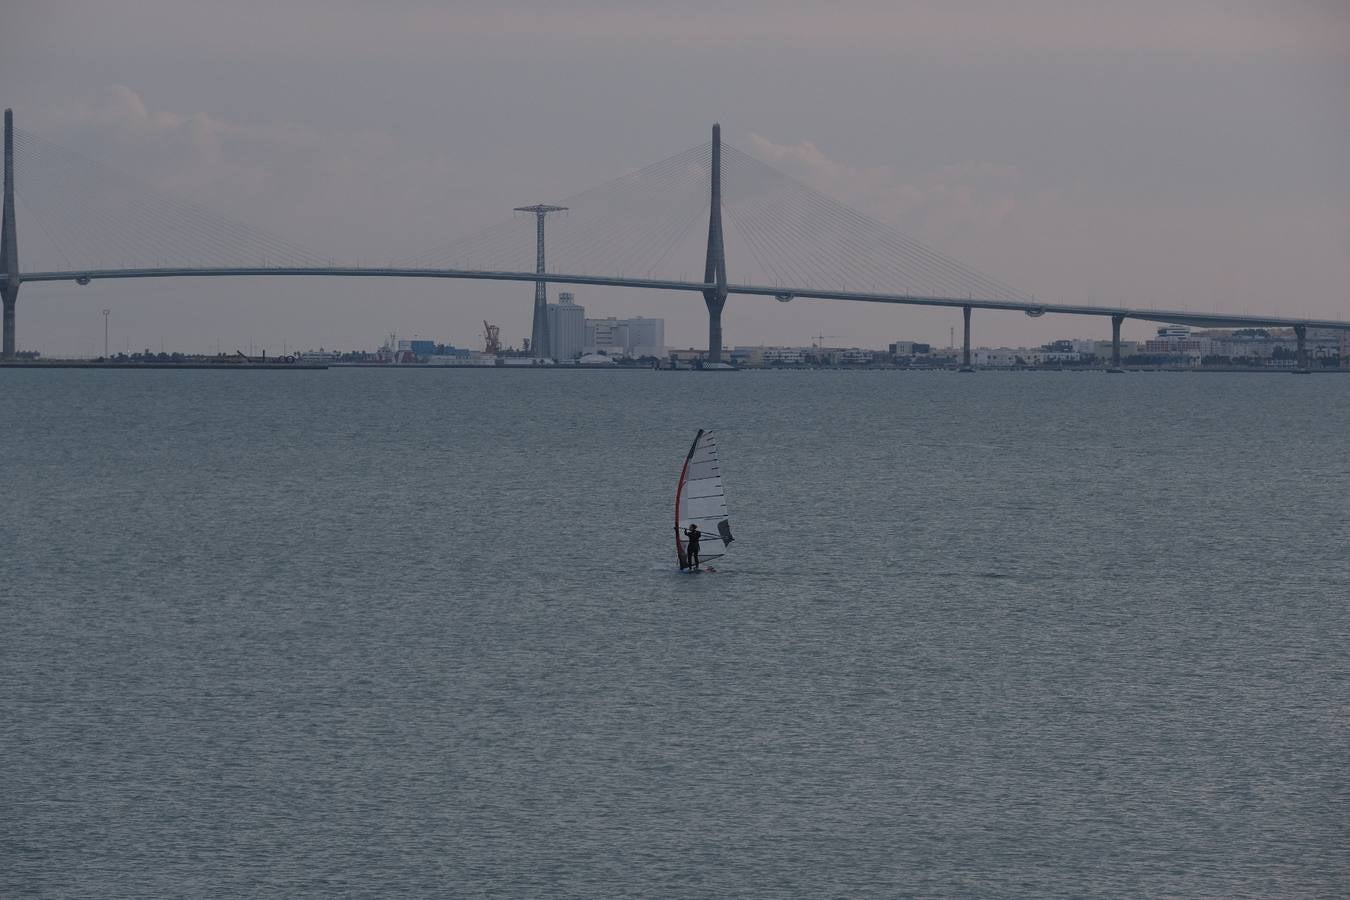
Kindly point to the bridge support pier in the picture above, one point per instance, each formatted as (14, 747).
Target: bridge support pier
(715, 300)
(10, 295)
(965, 346)
(715, 268)
(9, 246)
(1301, 361)
(1115, 344)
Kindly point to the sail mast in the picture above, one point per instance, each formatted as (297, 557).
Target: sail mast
(700, 499)
(679, 499)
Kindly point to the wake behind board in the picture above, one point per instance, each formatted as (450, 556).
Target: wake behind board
(701, 502)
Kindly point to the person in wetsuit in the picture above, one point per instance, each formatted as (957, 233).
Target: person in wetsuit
(693, 534)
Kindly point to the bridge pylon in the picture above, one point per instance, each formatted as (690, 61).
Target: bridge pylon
(9, 245)
(715, 268)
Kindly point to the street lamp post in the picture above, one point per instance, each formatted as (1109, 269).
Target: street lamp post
(105, 332)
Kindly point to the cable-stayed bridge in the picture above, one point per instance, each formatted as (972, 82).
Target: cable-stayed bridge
(711, 204)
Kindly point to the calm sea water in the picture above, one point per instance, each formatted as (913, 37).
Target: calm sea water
(417, 633)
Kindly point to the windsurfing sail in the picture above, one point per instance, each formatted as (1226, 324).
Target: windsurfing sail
(700, 500)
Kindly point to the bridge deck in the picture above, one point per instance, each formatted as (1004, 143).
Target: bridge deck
(1180, 317)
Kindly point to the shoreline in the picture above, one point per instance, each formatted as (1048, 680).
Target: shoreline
(93, 364)
(310, 367)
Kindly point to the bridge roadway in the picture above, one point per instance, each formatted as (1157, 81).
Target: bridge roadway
(1031, 308)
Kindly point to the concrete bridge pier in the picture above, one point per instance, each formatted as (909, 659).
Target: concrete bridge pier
(965, 346)
(715, 300)
(10, 294)
(1115, 344)
(1301, 361)
(715, 265)
(9, 246)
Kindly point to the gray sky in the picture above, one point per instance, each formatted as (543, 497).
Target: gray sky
(1170, 154)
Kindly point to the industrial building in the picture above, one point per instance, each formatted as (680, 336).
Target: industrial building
(566, 328)
(626, 337)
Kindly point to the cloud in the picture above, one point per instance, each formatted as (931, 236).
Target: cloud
(290, 179)
(972, 30)
(191, 152)
(935, 207)
(1180, 253)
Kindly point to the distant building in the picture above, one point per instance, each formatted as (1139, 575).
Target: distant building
(566, 327)
(626, 337)
(458, 356)
(692, 356)
(757, 357)
(910, 348)
(1273, 347)
(595, 359)
(1176, 343)
(857, 356)
(418, 347)
(1327, 344)
(783, 356)
(1011, 357)
(647, 337)
(1103, 349)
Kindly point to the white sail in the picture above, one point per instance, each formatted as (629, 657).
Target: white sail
(701, 500)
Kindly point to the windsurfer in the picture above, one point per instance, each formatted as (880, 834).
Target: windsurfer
(693, 534)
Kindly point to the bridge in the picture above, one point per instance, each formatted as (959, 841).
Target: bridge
(802, 241)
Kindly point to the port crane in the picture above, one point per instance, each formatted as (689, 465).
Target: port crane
(491, 338)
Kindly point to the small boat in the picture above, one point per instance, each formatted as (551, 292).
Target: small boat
(701, 500)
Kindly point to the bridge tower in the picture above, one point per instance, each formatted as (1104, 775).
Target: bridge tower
(715, 267)
(539, 337)
(1115, 344)
(9, 245)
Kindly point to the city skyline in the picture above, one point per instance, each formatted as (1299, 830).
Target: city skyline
(1183, 159)
(1157, 340)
